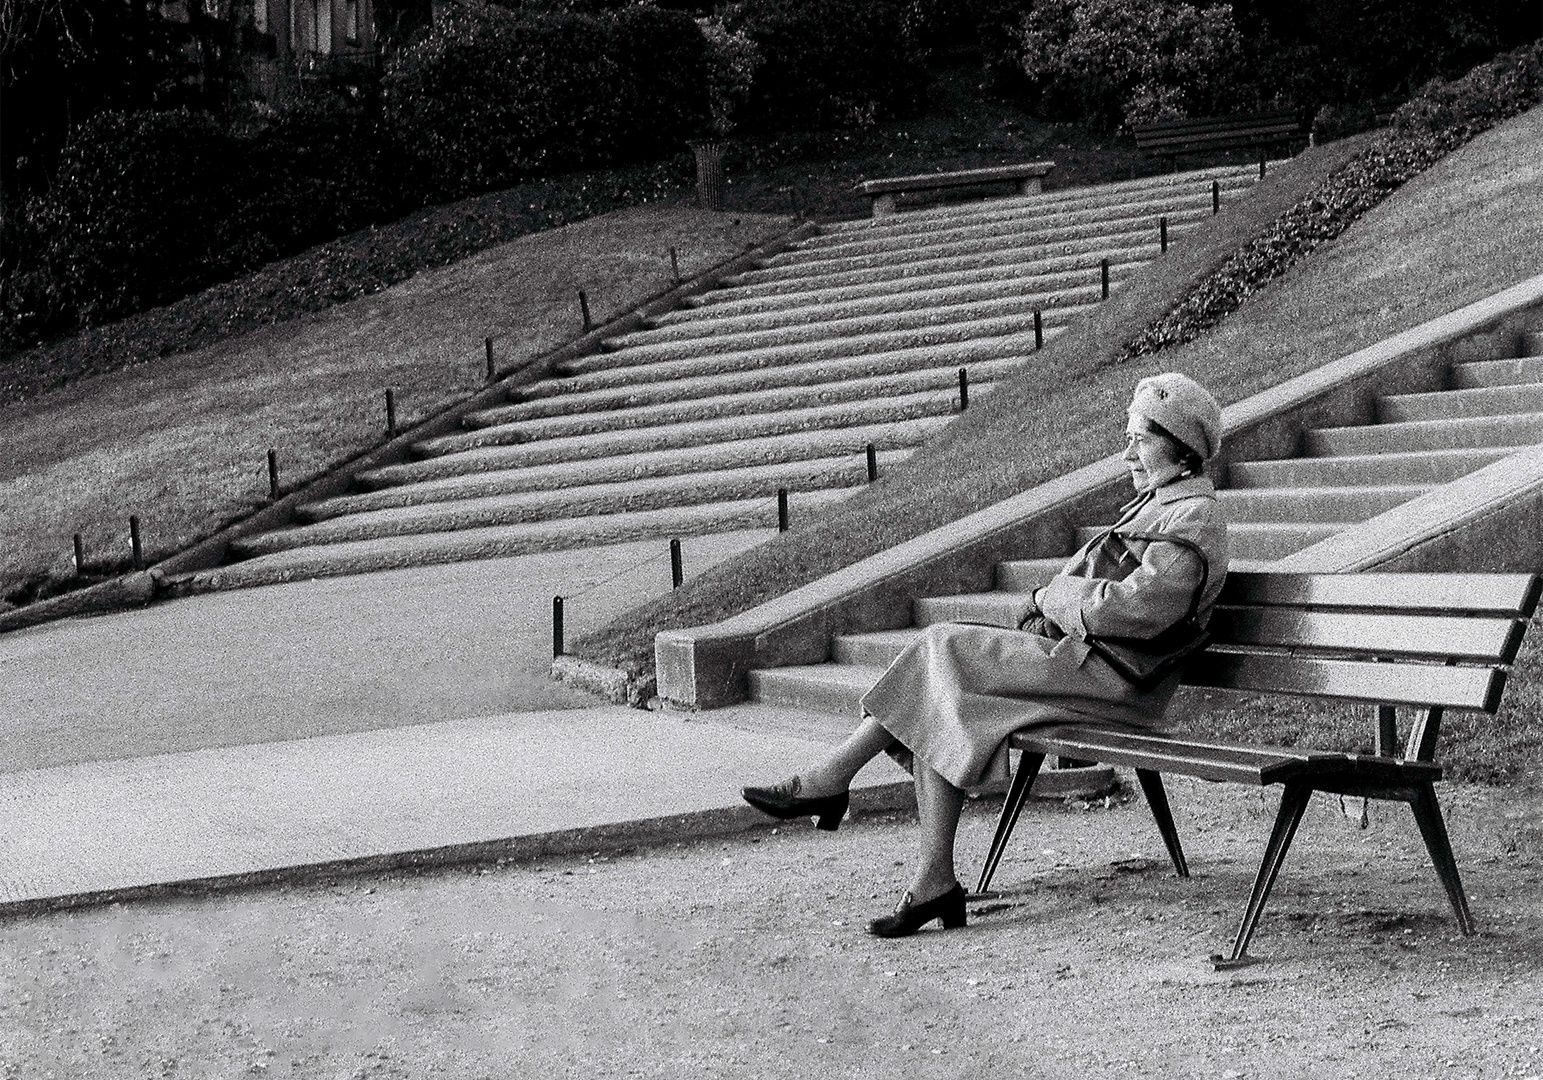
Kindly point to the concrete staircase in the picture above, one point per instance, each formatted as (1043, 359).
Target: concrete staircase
(780, 379)
(1341, 476)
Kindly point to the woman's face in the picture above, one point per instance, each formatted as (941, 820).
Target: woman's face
(1152, 458)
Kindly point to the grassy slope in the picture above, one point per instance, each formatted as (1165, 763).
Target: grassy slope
(1461, 231)
(182, 441)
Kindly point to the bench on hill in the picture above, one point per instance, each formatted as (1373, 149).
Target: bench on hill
(1027, 178)
(1432, 642)
(1172, 138)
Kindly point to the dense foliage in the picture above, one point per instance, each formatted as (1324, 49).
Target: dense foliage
(1442, 117)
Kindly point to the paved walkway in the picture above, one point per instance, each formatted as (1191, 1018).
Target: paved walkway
(516, 785)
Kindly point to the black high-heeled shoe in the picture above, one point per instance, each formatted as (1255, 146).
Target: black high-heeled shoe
(909, 917)
(782, 801)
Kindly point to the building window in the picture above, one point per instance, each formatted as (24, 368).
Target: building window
(351, 21)
(260, 16)
(321, 16)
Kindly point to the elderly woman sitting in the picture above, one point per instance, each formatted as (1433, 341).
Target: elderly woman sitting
(948, 703)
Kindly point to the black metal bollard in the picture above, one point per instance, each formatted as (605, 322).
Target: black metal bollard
(134, 543)
(557, 626)
(1103, 277)
(273, 473)
(584, 311)
(782, 509)
(487, 345)
(1039, 330)
(1216, 196)
(1162, 234)
(677, 571)
(390, 413)
(80, 555)
(873, 463)
(675, 266)
(1262, 157)
(964, 390)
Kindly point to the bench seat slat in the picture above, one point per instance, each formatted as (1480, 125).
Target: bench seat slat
(958, 178)
(1473, 688)
(1492, 640)
(1513, 595)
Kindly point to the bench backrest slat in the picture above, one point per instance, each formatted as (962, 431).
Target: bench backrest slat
(1473, 688)
(1505, 595)
(1494, 640)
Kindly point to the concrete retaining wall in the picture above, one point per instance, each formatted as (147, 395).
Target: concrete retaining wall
(707, 666)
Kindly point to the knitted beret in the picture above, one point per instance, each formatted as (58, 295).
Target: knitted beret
(1182, 407)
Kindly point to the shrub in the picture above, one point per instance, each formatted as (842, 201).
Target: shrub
(829, 63)
(490, 96)
(1130, 61)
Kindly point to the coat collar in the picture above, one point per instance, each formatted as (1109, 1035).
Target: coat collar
(1189, 487)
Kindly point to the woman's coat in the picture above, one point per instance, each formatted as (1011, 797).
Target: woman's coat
(956, 693)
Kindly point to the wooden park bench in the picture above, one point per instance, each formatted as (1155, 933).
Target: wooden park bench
(1173, 138)
(1027, 178)
(1432, 642)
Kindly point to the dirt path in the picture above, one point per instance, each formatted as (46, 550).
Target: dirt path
(748, 958)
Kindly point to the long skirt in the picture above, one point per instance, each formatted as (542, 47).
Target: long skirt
(956, 693)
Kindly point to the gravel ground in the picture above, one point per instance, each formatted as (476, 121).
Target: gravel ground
(748, 958)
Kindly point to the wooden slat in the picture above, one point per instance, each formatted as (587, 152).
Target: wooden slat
(1202, 123)
(1513, 595)
(1475, 688)
(1279, 133)
(1436, 636)
(958, 178)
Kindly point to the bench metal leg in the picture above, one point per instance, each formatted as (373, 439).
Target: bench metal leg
(1427, 812)
(1017, 795)
(1293, 804)
(1157, 800)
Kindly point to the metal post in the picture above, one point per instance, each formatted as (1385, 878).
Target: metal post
(557, 626)
(782, 509)
(487, 344)
(675, 266)
(1162, 233)
(1216, 196)
(1103, 277)
(273, 473)
(390, 413)
(873, 463)
(1039, 330)
(677, 572)
(964, 390)
(134, 543)
(80, 555)
(584, 310)
(1262, 157)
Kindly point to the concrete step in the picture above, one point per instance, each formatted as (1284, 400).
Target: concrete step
(750, 355)
(748, 403)
(699, 432)
(567, 486)
(1259, 540)
(877, 649)
(1414, 467)
(1513, 430)
(1452, 404)
(1523, 369)
(678, 342)
(1021, 232)
(993, 219)
(431, 549)
(545, 465)
(1139, 236)
(827, 304)
(1315, 504)
(991, 261)
(706, 376)
(977, 356)
(629, 496)
(1532, 343)
(829, 688)
(1231, 178)
(1026, 575)
(999, 608)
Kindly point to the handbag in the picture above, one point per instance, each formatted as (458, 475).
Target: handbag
(1145, 662)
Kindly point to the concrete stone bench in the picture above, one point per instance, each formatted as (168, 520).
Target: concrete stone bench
(1027, 177)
